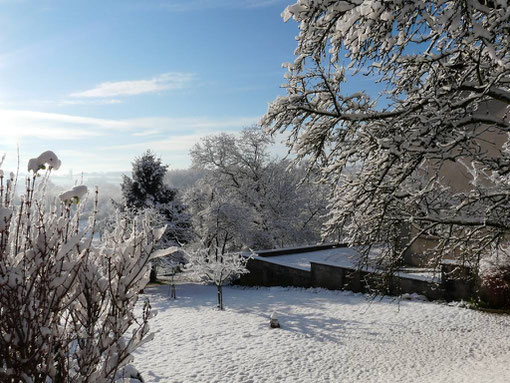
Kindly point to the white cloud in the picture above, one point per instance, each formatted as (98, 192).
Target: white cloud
(25, 123)
(176, 143)
(177, 134)
(165, 124)
(166, 81)
(111, 101)
(152, 132)
(83, 142)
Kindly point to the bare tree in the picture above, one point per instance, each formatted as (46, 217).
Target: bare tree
(390, 159)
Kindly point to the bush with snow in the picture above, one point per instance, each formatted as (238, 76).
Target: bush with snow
(67, 302)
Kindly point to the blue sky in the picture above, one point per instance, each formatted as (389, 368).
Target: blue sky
(99, 82)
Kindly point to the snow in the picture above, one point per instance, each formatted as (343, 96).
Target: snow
(48, 157)
(326, 336)
(76, 193)
(343, 257)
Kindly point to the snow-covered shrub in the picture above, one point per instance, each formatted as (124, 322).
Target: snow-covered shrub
(66, 301)
(495, 280)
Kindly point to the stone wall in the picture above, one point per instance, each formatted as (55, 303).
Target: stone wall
(342, 278)
(332, 277)
(271, 274)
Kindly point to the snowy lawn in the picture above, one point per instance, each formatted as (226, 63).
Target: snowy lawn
(326, 336)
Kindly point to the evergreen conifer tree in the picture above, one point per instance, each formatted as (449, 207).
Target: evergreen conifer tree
(146, 191)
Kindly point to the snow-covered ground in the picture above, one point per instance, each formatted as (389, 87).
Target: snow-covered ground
(326, 336)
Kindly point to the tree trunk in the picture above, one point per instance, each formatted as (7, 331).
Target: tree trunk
(174, 294)
(220, 297)
(154, 274)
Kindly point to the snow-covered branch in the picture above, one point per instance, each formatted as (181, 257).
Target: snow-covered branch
(394, 160)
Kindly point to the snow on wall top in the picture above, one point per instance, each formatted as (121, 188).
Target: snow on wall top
(343, 257)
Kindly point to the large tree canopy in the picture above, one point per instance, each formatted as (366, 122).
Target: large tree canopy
(392, 157)
(248, 199)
